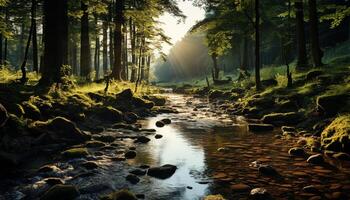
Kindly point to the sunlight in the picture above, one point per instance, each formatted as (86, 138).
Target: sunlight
(177, 30)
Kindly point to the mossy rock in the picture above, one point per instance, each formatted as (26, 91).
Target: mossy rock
(138, 102)
(336, 137)
(157, 100)
(31, 110)
(120, 195)
(330, 104)
(59, 192)
(289, 118)
(214, 197)
(109, 114)
(75, 153)
(94, 144)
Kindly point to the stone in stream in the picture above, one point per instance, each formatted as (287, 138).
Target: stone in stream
(59, 192)
(89, 165)
(259, 194)
(240, 187)
(75, 153)
(48, 169)
(130, 117)
(311, 189)
(288, 129)
(260, 127)
(267, 170)
(158, 136)
(53, 181)
(138, 172)
(142, 139)
(133, 179)
(166, 121)
(316, 159)
(163, 172)
(120, 195)
(160, 124)
(296, 151)
(94, 144)
(130, 154)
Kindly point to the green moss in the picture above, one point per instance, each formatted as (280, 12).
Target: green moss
(75, 153)
(120, 195)
(336, 136)
(214, 197)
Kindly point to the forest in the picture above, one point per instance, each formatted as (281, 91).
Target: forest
(174, 99)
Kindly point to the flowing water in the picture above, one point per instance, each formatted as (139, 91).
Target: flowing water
(214, 153)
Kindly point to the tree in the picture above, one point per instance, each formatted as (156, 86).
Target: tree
(257, 46)
(55, 37)
(316, 51)
(35, 41)
(300, 31)
(85, 49)
(118, 22)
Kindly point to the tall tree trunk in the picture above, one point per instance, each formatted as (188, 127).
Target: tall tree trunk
(97, 51)
(35, 40)
(118, 22)
(125, 57)
(133, 51)
(55, 40)
(138, 80)
(20, 47)
(1, 57)
(301, 43)
(316, 51)
(105, 46)
(215, 72)
(85, 51)
(148, 69)
(257, 45)
(24, 63)
(244, 65)
(6, 41)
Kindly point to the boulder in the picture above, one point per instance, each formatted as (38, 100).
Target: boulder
(163, 172)
(296, 151)
(316, 159)
(282, 118)
(166, 121)
(75, 153)
(94, 144)
(125, 94)
(259, 194)
(120, 195)
(260, 127)
(332, 104)
(130, 154)
(138, 102)
(108, 113)
(157, 100)
(58, 130)
(138, 172)
(59, 192)
(336, 137)
(130, 117)
(3, 115)
(158, 136)
(132, 178)
(142, 139)
(160, 124)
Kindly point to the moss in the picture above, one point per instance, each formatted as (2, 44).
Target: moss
(75, 153)
(31, 110)
(120, 195)
(214, 197)
(337, 135)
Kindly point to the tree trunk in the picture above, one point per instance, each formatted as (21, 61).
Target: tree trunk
(244, 65)
(125, 59)
(1, 58)
(316, 51)
(133, 51)
(148, 69)
(55, 40)
(105, 46)
(301, 43)
(118, 21)
(24, 63)
(257, 45)
(97, 51)
(85, 51)
(35, 41)
(139, 63)
(20, 47)
(215, 67)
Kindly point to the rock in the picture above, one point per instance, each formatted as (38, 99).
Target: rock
(216, 94)
(163, 172)
(166, 121)
(59, 130)
(48, 169)
(311, 189)
(158, 136)
(189, 187)
(130, 154)
(259, 194)
(269, 82)
(267, 170)
(312, 75)
(31, 111)
(75, 153)
(133, 179)
(108, 113)
(59, 192)
(142, 139)
(316, 159)
(3, 115)
(296, 151)
(282, 118)
(288, 129)
(332, 104)
(214, 197)
(130, 117)
(240, 187)
(120, 195)
(105, 138)
(260, 127)
(54, 181)
(160, 124)
(342, 156)
(336, 137)
(125, 94)
(138, 102)
(89, 165)
(94, 144)
(158, 101)
(138, 172)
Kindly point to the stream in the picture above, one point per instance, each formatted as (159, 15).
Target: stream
(214, 154)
